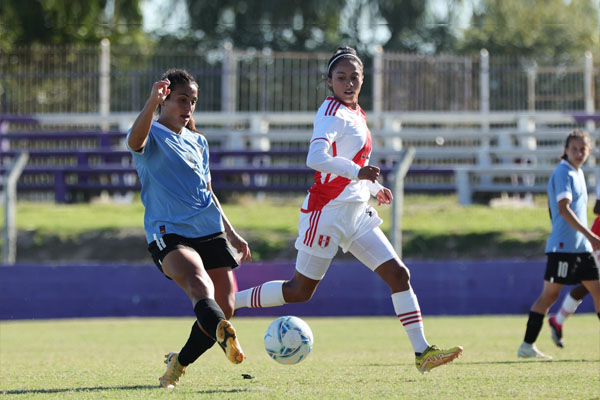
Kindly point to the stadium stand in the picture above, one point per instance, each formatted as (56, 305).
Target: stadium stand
(76, 157)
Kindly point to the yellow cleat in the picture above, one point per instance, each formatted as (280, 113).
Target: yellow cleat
(433, 357)
(227, 339)
(173, 373)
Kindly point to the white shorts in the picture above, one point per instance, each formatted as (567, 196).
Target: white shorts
(337, 224)
(372, 249)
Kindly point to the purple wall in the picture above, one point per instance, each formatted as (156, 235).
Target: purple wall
(443, 288)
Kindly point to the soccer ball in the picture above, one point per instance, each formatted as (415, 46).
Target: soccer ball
(288, 340)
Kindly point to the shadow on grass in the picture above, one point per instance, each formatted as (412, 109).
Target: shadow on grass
(103, 388)
(527, 361)
(230, 391)
(77, 390)
(461, 362)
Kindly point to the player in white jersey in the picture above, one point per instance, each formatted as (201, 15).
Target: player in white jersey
(570, 245)
(187, 231)
(575, 297)
(336, 213)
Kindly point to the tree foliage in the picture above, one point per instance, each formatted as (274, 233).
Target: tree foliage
(536, 28)
(50, 22)
(311, 24)
(286, 26)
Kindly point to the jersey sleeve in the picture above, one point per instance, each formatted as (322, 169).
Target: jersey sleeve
(144, 150)
(205, 158)
(319, 158)
(374, 187)
(563, 186)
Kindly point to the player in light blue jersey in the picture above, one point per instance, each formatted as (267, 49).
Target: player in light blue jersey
(187, 231)
(572, 300)
(570, 246)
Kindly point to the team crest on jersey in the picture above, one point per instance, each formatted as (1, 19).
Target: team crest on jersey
(323, 241)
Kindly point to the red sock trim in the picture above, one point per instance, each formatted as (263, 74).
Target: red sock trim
(410, 318)
(255, 297)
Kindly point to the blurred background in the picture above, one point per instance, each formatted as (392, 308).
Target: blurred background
(469, 103)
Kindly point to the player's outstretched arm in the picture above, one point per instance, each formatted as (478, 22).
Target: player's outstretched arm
(136, 140)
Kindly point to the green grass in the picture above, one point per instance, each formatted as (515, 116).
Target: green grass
(427, 214)
(429, 222)
(353, 358)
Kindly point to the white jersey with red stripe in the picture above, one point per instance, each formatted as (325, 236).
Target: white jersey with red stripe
(341, 144)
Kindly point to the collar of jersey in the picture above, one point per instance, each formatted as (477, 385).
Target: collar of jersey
(161, 126)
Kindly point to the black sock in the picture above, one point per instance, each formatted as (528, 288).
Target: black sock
(195, 346)
(209, 315)
(598, 314)
(534, 326)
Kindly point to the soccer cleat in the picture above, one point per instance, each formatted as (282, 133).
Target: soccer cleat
(530, 351)
(433, 357)
(556, 331)
(227, 339)
(173, 373)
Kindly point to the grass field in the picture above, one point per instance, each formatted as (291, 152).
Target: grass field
(426, 214)
(270, 226)
(353, 358)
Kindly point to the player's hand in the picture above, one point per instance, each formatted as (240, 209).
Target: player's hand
(369, 172)
(241, 246)
(384, 196)
(595, 242)
(160, 91)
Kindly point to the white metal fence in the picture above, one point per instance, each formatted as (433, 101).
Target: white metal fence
(469, 153)
(108, 78)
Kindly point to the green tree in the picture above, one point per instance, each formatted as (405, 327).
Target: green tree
(313, 25)
(50, 22)
(401, 25)
(285, 26)
(534, 28)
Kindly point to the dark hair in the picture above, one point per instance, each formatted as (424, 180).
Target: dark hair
(576, 133)
(342, 53)
(179, 77)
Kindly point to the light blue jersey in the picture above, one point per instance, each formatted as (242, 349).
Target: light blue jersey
(567, 182)
(174, 174)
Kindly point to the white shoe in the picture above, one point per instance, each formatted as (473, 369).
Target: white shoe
(530, 351)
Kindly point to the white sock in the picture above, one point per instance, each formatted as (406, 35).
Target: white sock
(408, 311)
(568, 307)
(269, 294)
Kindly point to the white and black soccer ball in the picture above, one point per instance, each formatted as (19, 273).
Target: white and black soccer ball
(288, 340)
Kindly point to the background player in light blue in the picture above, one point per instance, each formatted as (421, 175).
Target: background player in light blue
(570, 246)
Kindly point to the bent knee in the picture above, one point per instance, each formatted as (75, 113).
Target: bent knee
(394, 271)
(403, 273)
(296, 293)
(297, 297)
(199, 288)
(548, 298)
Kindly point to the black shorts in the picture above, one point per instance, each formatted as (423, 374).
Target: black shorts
(571, 268)
(214, 250)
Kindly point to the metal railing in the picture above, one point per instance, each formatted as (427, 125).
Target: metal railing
(108, 79)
